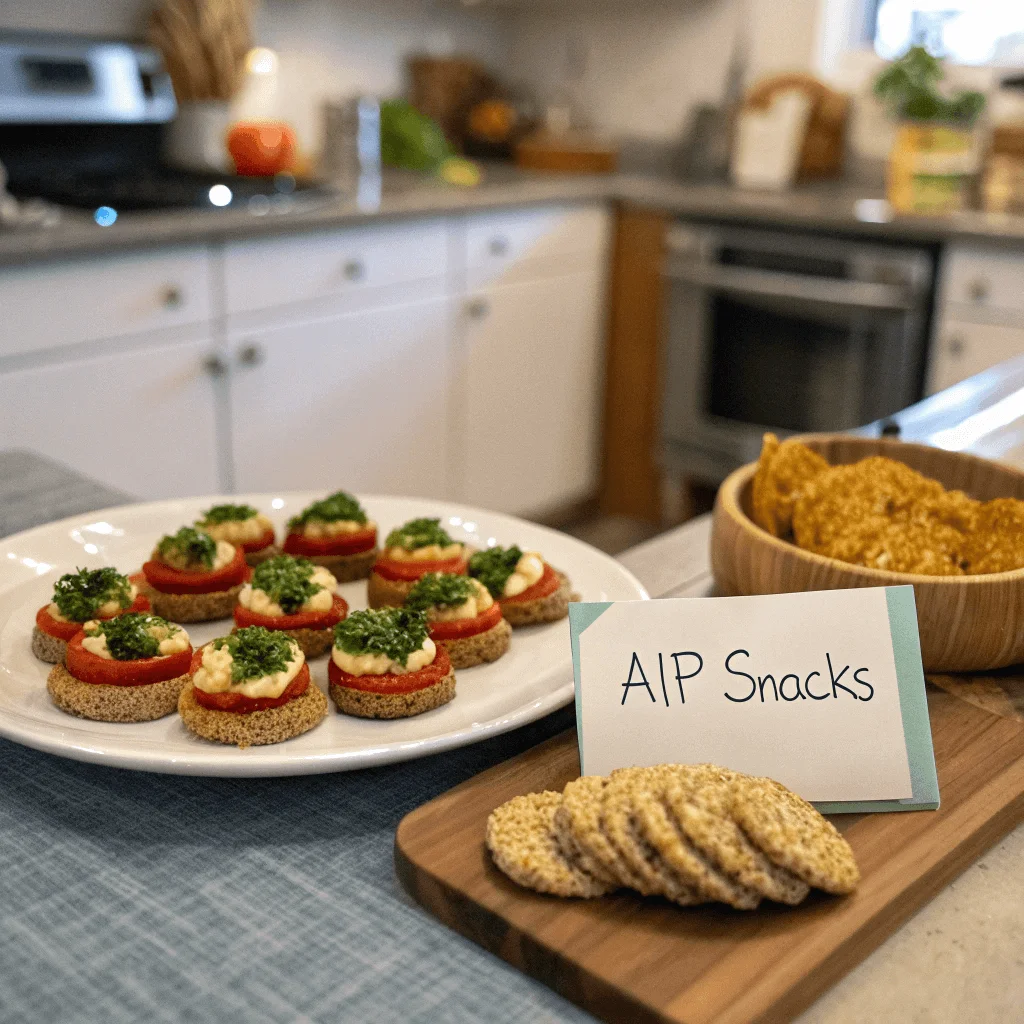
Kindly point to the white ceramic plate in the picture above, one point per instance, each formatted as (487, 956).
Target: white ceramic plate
(533, 679)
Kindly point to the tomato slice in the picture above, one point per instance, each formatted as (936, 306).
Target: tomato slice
(342, 544)
(300, 620)
(239, 704)
(457, 628)
(393, 682)
(91, 668)
(390, 569)
(249, 546)
(178, 581)
(64, 630)
(544, 587)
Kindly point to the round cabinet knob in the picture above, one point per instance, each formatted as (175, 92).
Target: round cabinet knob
(978, 289)
(498, 246)
(215, 365)
(173, 297)
(477, 309)
(956, 346)
(251, 355)
(354, 270)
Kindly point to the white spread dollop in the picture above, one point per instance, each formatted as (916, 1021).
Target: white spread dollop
(431, 552)
(214, 674)
(319, 529)
(528, 571)
(260, 602)
(474, 605)
(173, 640)
(379, 664)
(225, 555)
(239, 531)
(107, 610)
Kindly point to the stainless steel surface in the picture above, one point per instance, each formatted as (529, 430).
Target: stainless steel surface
(351, 146)
(56, 79)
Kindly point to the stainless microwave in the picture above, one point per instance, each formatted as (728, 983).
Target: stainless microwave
(785, 331)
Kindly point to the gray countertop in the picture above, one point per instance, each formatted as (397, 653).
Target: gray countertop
(829, 208)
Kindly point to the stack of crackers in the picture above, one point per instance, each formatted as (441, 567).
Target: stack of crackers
(690, 833)
(882, 514)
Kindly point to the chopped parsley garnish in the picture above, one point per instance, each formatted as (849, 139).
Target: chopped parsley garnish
(396, 632)
(257, 652)
(286, 580)
(187, 547)
(493, 566)
(128, 636)
(78, 595)
(418, 533)
(227, 514)
(440, 590)
(335, 508)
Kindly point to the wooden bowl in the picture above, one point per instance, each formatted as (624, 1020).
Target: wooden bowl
(967, 623)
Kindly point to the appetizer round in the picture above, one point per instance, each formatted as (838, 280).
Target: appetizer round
(243, 526)
(251, 689)
(410, 551)
(462, 617)
(336, 534)
(295, 597)
(130, 668)
(80, 597)
(194, 578)
(529, 590)
(384, 665)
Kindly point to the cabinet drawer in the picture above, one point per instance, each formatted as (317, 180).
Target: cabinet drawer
(985, 279)
(964, 349)
(263, 273)
(50, 305)
(515, 244)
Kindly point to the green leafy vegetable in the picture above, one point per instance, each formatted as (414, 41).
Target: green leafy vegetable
(286, 580)
(79, 594)
(493, 566)
(335, 508)
(410, 140)
(418, 533)
(910, 87)
(257, 652)
(227, 514)
(188, 547)
(440, 590)
(128, 636)
(396, 632)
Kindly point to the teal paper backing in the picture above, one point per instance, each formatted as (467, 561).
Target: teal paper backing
(917, 731)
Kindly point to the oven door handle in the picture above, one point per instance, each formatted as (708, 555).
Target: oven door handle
(824, 291)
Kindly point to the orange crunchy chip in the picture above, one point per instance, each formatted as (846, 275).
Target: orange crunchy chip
(784, 471)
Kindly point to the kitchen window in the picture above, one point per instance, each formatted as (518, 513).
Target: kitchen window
(965, 31)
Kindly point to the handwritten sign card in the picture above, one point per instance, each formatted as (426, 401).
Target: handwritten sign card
(823, 691)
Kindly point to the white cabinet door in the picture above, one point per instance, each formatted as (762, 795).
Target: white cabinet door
(358, 401)
(530, 412)
(964, 349)
(142, 421)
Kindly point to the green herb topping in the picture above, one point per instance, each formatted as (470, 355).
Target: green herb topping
(79, 594)
(187, 547)
(396, 632)
(128, 636)
(335, 508)
(418, 533)
(257, 652)
(440, 590)
(493, 567)
(286, 580)
(227, 514)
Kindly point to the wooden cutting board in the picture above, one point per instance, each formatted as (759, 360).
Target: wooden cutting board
(624, 958)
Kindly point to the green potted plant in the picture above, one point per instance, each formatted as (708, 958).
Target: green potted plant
(935, 151)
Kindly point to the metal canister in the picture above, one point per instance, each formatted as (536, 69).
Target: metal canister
(351, 148)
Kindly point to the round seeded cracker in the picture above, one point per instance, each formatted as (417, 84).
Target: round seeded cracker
(794, 835)
(522, 841)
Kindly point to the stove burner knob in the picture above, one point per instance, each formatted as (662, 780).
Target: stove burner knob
(173, 297)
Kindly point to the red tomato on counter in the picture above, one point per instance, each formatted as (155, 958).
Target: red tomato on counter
(261, 149)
